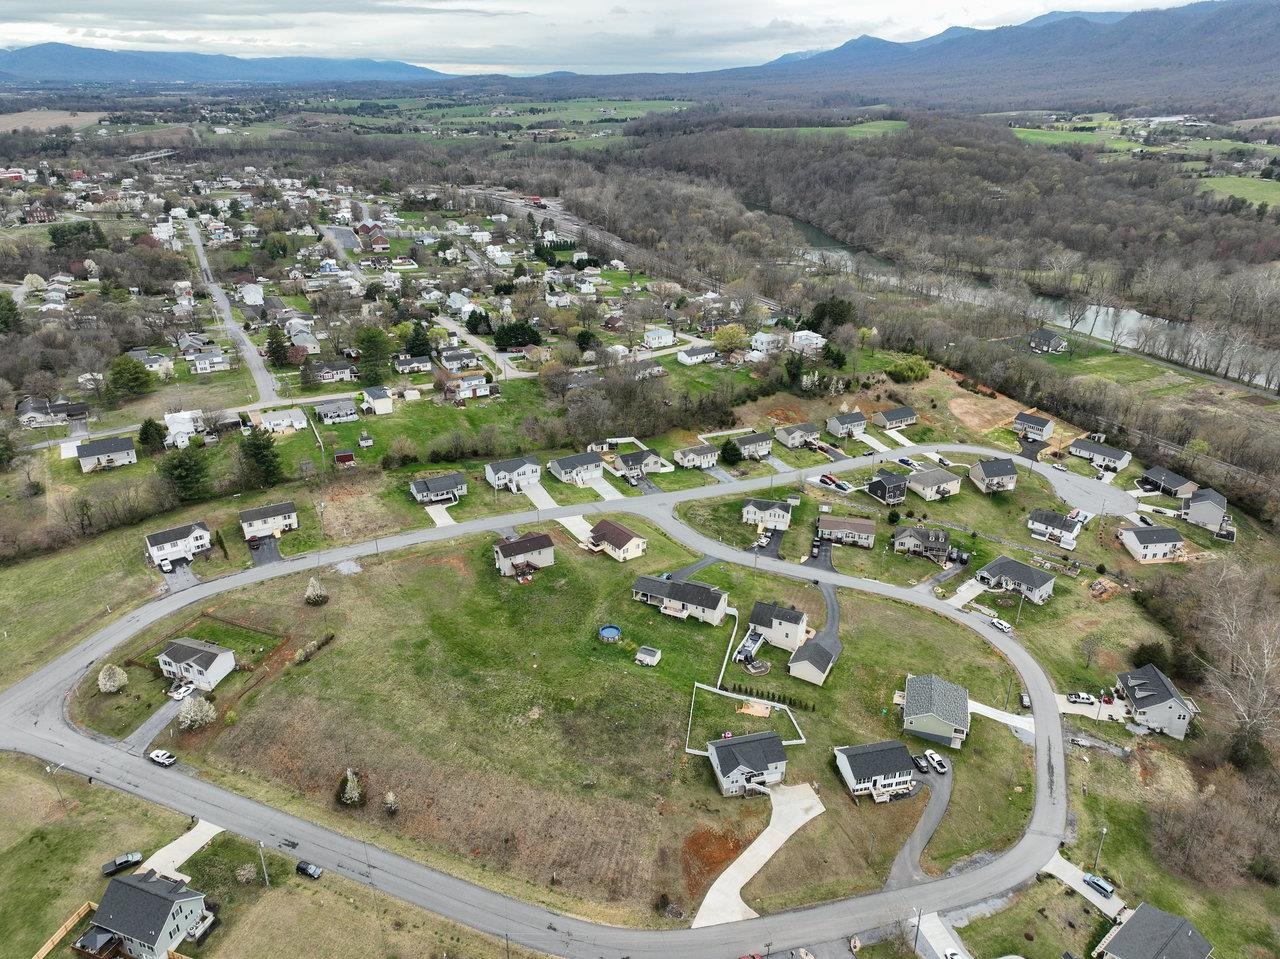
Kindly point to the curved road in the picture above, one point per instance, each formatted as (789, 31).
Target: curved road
(33, 721)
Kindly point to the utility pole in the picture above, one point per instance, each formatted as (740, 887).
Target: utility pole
(262, 858)
(915, 946)
(53, 774)
(1018, 618)
(1098, 856)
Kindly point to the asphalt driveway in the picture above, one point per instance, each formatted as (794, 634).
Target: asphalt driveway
(181, 577)
(268, 551)
(774, 548)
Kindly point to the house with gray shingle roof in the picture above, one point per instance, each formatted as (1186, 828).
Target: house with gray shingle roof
(512, 557)
(1033, 426)
(1099, 454)
(933, 484)
(577, 468)
(1207, 508)
(813, 661)
(698, 457)
(105, 454)
(767, 514)
(202, 664)
(747, 765)
(144, 916)
(879, 770)
(797, 435)
(1156, 702)
(1017, 577)
(888, 487)
(994, 476)
(754, 446)
(513, 474)
(896, 418)
(447, 489)
(844, 425)
(1052, 527)
(1152, 544)
(1151, 933)
(936, 709)
(682, 599)
(783, 626)
(1168, 482)
(181, 542)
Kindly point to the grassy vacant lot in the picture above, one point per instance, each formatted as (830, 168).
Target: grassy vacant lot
(1253, 189)
(496, 715)
(872, 128)
(47, 120)
(1063, 137)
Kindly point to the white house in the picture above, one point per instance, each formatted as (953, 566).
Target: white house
(933, 484)
(468, 385)
(747, 765)
(105, 454)
(849, 530)
(1152, 544)
(682, 599)
(1156, 703)
(202, 664)
(513, 474)
(754, 446)
(270, 520)
(377, 401)
(512, 557)
(1017, 577)
(1033, 426)
(693, 355)
(896, 418)
(767, 514)
(280, 421)
(446, 489)
(765, 342)
(807, 342)
(845, 425)
(617, 540)
(1099, 454)
(182, 427)
(179, 543)
(336, 411)
(215, 361)
(580, 469)
(657, 337)
(797, 435)
(698, 457)
(1055, 528)
(879, 770)
(782, 626)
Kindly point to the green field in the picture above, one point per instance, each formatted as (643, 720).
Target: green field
(872, 128)
(1253, 189)
(1063, 137)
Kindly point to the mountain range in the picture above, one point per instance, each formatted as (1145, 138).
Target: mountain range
(1218, 54)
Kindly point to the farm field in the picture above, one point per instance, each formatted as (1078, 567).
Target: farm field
(48, 120)
(872, 128)
(1106, 141)
(1253, 189)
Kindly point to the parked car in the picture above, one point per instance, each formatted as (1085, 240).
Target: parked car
(937, 762)
(1099, 885)
(121, 863)
(165, 566)
(1025, 700)
(1060, 468)
(763, 541)
(309, 869)
(1001, 625)
(255, 543)
(906, 461)
(943, 461)
(813, 550)
(180, 691)
(921, 763)
(802, 954)
(1145, 520)
(1081, 699)
(162, 757)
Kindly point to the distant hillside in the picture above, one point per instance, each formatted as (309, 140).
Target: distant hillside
(64, 63)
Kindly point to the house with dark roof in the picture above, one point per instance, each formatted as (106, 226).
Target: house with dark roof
(36, 411)
(936, 709)
(523, 554)
(580, 469)
(796, 435)
(1046, 341)
(273, 520)
(693, 355)
(106, 454)
(617, 541)
(1004, 573)
(896, 418)
(336, 411)
(994, 475)
(845, 425)
(879, 770)
(767, 514)
(748, 765)
(412, 364)
(1099, 454)
(889, 488)
(783, 626)
(1033, 426)
(1156, 703)
(638, 463)
(1052, 527)
(933, 484)
(754, 446)
(932, 544)
(445, 490)
(1151, 933)
(1152, 544)
(698, 457)
(179, 543)
(202, 664)
(339, 371)
(377, 401)
(1160, 480)
(1207, 508)
(143, 916)
(848, 530)
(682, 599)
(513, 474)
(813, 660)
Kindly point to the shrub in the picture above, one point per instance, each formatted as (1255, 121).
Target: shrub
(909, 369)
(316, 595)
(350, 792)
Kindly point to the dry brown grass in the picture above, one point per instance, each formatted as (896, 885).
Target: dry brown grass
(47, 120)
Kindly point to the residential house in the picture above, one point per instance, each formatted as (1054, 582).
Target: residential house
(202, 664)
(1156, 703)
(638, 463)
(519, 556)
(1159, 479)
(616, 540)
(783, 626)
(767, 514)
(105, 454)
(182, 427)
(693, 355)
(1152, 544)
(1099, 454)
(36, 411)
(698, 457)
(847, 530)
(932, 544)
(813, 661)
(280, 421)
(889, 488)
(1055, 528)
(795, 436)
(305, 340)
(1046, 341)
(1207, 508)
(336, 411)
(179, 543)
(1033, 427)
(513, 474)
(143, 916)
(1017, 577)
(457, 360)
(412, 364)
(754, 446)
(270, 520)
(933, 484)
(214, 361)
(994, 476)
(845, 425)
(748, 765)
(682, 599)
(765, 342)
(896, 418)
(879, 770)
(580, 469)
(806, 342)
(1151, 933)
(339, 371)
(189, 344)
(936, 709)
(469, 385)
(447, 489)
(377, 401)
(658, 337)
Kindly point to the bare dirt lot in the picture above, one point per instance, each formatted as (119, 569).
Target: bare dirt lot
(47, 120)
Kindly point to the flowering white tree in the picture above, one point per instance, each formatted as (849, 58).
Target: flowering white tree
(196, 712)
(112, 679)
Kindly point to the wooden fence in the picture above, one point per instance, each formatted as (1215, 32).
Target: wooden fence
(76, 918)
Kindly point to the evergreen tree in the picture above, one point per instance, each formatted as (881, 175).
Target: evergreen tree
(10, 315)
(260, 460)
(375, 355)
(129, 377)
(151, 436)
(307, 374)
(730, 455)
(418, 342)
(187, 471)
(277, 347)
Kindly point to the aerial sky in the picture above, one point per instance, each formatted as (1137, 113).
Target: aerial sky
(512, 36)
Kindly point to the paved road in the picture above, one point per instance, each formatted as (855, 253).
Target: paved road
(33, 721)
(262, 378)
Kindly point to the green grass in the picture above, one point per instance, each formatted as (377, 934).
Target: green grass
(1253, 189)
(1063, 137)
(871, 128)
(213, 872)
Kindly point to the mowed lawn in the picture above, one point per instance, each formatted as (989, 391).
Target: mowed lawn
(872, 128)
(1253, 189)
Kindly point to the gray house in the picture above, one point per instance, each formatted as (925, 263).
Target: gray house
(796, 436)
(1033, 426)
(698, 457)
(844, 425)
(638, 463)
(936, 709)
(1156, 702)
(933, 484)
(933, 544)
(1167, 482)
(754, 446)
(781, 626)
(336, 411)
(1099, 454)
(682, 599)
(1046, 341)
(513, 474)
(1207, 508)
(578, 468)
(747, 765)
(1151, 933)
(994, 476)
(515, 557)
(851, 531)
(447, 489)
(879, 770)
(1017, 577)
(896, 418)
(144, 916)
(1052, 527)
(889, 488)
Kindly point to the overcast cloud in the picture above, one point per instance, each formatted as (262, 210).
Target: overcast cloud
(511, 36)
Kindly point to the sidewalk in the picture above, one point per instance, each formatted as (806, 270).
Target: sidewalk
(1014, 721)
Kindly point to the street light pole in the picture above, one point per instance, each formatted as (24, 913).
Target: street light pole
(1098, 856)
(263, 859)
(53, 774)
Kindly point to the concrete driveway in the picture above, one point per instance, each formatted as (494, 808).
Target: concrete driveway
(182, 577)
(720, 473)
(268, 552)
(793, 806)
(1073, 876)
(1100, 710)
(966, 593)
(898, 438)
(439, 514)
(1024, 727)
(777, 464)
(874, 443)
(576, 525)
(605, 489)
(167, 859)
(937, 939)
